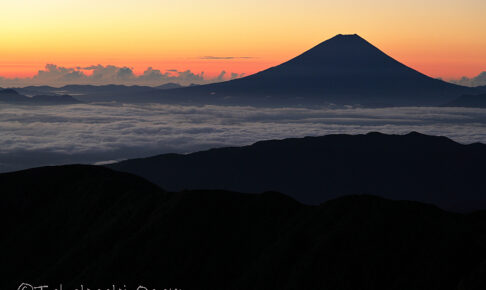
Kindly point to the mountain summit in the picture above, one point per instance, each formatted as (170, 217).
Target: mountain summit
(345, 69)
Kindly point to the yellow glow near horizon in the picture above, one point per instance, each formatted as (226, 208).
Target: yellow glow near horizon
(441, 38)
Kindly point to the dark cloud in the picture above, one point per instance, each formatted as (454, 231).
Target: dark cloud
(125, 73)
(479, 80)
(220, 77)
(226, 57)
(92, 67)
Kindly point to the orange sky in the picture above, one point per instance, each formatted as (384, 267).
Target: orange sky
(440, 38)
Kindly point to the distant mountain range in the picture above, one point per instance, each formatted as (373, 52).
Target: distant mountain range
(416, 167)
(169, 86)
(11, 96)
(104, 93)
(345, 69)
(91, 226)
(471, 101)
(91, 93)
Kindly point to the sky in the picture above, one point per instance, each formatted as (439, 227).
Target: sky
(441, 38)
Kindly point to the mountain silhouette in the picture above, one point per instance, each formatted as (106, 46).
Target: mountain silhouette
(91, 226)
(13, 97)
(54, 99)
(168, 86)
(345, 69)
(92, 93)
(417, 167)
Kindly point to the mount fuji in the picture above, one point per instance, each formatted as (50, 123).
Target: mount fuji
(344, 70)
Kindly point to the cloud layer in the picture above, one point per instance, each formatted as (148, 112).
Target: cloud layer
(85, 133)
(54, 75)
(479, 80)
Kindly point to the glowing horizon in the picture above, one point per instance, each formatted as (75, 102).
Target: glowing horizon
(438, 38)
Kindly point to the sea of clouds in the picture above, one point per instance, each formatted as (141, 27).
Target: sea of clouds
(97, 133)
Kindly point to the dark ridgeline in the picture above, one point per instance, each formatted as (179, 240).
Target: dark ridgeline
(168, 86)
(101, 93)
(345, 70)
(97, 227)
(11, 96)
(54, 99)
(38, 90)
(93, 93)
(471, 101)
(417, 167)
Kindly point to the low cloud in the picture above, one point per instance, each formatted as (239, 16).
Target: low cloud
(88, 133)
(479, 80)
(236, 76)
(55, 75)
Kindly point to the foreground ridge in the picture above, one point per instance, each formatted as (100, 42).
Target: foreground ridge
(93, 226)
(414, 166)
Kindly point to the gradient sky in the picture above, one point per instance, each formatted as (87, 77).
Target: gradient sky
(441, 38)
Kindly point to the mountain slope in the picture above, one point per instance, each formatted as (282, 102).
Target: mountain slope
(314, 169)
(345, 69)
(89, 225)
